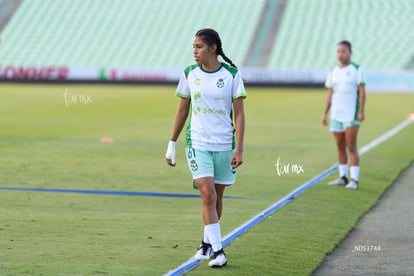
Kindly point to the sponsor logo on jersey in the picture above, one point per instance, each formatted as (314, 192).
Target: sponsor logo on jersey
(197, 81)
(196, 110)
(207, 110)
(197, 95)
(219, 98)
(220, 83)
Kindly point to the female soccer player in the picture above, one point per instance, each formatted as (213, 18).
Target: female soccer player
(213, 91)
(346, 99)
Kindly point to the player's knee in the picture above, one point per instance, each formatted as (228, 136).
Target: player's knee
(209, 197)
(352, 149)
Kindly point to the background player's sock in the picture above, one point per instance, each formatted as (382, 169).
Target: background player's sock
(206, 239)
(343, 170)
(355, 173)
(214, 235)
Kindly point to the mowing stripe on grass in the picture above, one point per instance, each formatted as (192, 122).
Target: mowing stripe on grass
(191, 263)
(104, 192)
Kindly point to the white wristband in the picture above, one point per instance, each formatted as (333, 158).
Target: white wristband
(171, 152)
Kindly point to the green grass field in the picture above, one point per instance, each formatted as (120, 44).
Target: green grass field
(48, 142)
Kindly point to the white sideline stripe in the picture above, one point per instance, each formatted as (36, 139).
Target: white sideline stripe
(385, 136)
(191, 263)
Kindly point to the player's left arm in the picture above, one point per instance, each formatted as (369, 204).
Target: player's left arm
(362, 98)
(239, 120)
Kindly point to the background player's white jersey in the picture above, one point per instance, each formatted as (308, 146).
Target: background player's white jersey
(345, 99)
(211, 93)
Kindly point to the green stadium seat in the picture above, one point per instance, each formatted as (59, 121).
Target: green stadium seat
(130, 33)
(380, 30)
(159, 33)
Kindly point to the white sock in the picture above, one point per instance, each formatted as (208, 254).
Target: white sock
(355, 173)
(214, 235)
(206, 239)
(343, 170)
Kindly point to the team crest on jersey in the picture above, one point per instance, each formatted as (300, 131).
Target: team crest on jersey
(220, 83)
(194, 165)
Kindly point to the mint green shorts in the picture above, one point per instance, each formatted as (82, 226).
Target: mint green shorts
(336, 126)
(214, 164)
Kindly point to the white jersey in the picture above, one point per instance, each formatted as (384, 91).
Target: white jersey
(212, 93)
(345, 99)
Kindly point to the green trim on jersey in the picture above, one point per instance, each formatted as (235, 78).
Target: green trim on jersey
(351, 63)
(357, 107)
(233, 143)
(357, 101)
(211, 72)
(189, 69)
(233, 71)
(178, 94)
(242, 95)
(355, 65)
(188, 141)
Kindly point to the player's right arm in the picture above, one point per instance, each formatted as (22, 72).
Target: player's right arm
(329, 85)
(180, 118)
(327, 107)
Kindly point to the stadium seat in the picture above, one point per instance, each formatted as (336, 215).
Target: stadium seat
(131, 33)
(159, 33)
(380, 30)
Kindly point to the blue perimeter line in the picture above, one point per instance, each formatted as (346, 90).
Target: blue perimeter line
(104, 192)
(191, 263)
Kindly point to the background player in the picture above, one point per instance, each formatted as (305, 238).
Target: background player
(346, 100)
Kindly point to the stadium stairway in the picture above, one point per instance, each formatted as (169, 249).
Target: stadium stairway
(7, 8)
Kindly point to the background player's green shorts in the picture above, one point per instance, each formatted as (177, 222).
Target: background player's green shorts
(337, 126)
(211, 164)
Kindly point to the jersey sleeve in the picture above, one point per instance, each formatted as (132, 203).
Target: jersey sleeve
(361, 79)
(328, 82)
(238, 90)
(183, 91)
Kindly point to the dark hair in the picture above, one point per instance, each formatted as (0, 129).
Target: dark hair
(210, 37)
(347, 44)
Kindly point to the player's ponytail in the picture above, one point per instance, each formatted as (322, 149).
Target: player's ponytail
(210, 37)
(226, 59)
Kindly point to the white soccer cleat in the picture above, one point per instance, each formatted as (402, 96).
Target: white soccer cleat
(340, 181)
(219, 259)
(352, 185)
(203, 252)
